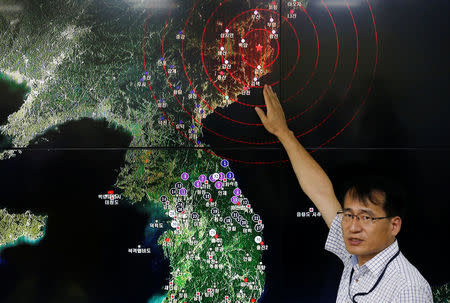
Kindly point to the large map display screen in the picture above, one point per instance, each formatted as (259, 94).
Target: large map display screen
(134, 167)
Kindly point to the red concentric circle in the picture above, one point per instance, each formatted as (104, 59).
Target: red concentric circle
(326, 118)
(239, 140)
(299, 91)
(260, 143)
(248, 72)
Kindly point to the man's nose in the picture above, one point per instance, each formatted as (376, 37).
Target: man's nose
(355, 225)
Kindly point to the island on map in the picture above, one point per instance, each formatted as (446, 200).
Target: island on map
(17, 228)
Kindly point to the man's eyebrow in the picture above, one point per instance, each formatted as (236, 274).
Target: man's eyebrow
(368, 211)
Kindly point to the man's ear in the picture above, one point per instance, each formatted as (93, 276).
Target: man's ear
(396, 224)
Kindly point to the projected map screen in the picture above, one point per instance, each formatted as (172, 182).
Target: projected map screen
(135, 166)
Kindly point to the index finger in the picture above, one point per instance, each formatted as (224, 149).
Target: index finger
(274, 100)
(272, 92)
(267, 96)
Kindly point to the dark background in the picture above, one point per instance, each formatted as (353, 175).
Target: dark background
(402, 131)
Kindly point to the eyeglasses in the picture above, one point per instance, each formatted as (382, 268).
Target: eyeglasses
(347, 217)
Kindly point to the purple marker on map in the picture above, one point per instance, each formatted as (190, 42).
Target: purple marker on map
(237, 191)
(221, 176)
(224, 163)
(234, 199)
(211, 178)
(202, 178)
(218, 185)
(182, 191)
(198, 184)
(184, 176)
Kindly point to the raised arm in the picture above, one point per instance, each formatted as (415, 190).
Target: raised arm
(313, 180)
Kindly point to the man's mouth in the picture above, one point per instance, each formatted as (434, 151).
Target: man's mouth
(354, 241)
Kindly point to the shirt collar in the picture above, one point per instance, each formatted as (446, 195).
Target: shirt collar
(377, 263)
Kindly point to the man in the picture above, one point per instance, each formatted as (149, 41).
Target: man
(362, 232)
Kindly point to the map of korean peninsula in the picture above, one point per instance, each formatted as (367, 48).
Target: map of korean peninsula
(156, 72)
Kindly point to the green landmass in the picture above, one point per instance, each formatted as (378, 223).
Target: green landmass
(235, 254)
(441, 294)
(27, 227)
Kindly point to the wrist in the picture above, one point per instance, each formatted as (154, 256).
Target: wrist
(284, 135)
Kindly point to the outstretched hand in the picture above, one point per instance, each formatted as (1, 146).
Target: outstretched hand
(274, 121)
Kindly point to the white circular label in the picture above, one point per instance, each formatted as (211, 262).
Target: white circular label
(258, 239)
(216, 176)
(174, 223)
(171, 213)
(212, 232)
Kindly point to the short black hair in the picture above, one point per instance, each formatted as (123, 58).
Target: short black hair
(365, 188)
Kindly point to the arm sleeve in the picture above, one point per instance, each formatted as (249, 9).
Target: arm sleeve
(335, 241)
(415, 294)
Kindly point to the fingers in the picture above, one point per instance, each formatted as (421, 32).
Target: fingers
(270, 89)
(271, 93)
(267, 96)
(261, 115)
(274, 97)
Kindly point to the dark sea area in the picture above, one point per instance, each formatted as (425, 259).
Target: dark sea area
(298, 269)
(11, 99)
(395, 135)
(402, 132)
(83, 256)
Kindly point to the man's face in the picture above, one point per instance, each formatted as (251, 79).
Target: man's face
(366, 241)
